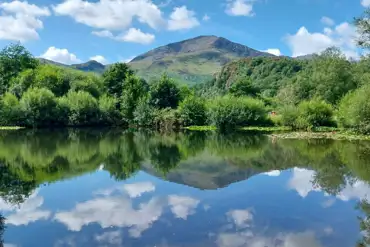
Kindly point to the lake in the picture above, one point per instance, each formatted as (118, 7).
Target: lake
(123, 188)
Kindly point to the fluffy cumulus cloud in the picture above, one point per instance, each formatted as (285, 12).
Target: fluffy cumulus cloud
(29, 211)
(274, 173)
(60, 56)
(182, 18)
(275, 52)
(99, 59)
(305, 42)
(182, 206)
(103, 34)
(239, 7)
(137, 189)
(111, 14)
(365, 3)
(134, 35)
(20, 21)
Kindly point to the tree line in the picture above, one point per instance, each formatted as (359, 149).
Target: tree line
(326, 90)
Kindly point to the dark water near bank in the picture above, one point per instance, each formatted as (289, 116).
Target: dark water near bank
(110, 188)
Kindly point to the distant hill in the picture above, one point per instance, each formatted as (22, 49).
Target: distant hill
(90, 66)
(193, 60)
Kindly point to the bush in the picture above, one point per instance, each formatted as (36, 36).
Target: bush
(38, 106)
(230, 112)
(314, 113)
(83, 108)
(354, 110)
(289, 115)
(109, 115)
(91, 84)
(10, 110)
(193, 111)
(166, 119)
(144, 113)
(165, 93)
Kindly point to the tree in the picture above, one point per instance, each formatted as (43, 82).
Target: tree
(114, 78)
(14, 59)
(38, 106)
(243, 87)
(362, 24)
(10, 110)
(193, 111)
(314, 113)
(109, 114)
(83, 108)
(165, 93)
(133, 90)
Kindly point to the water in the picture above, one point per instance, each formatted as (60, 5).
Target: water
(110, 188)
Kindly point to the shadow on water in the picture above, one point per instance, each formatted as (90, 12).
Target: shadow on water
(202, 160)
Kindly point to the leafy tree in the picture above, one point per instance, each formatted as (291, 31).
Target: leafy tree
(133, 90)
(193, 111)
(144, 113)
(14, 59)
(83, 108)
(229, 112)
(114, 78)
(109, 114)
(39, 106)
(314, 113)
(243, 87)
(363, 28)
(354, 110)
(165, 93)
(10, 110)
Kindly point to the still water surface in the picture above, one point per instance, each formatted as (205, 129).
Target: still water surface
(114, 188)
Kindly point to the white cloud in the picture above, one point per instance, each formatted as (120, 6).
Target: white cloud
(342, 36)
(136, 36)
(327, 21)
(241, 218)
(240, 8)
(182, 206)
(122, 213)
(275, 52)
(29, 211)
(111, 14)
(21, 20)
(182, 18)
(103, 33)
(206, 17)
(60, 56)
(127, 60)
(99, 59)
(113, 238)
(301, 181)
(137, 189)
(365, 3)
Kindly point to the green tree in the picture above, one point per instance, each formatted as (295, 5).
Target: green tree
(193, 111)
(39, 106)
(363, 29)
(133, 90)
(314, 113)
(354, 110)
(109, 114)
(83, 108)
(165, 93)
(243, 87)
(14, 59)
(229, 112)
(10, 110)
(114, 78)
(144, 113)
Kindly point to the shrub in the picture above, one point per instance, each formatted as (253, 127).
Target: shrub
(165, 93)
(10, 110)
(229, 112)
(144, 113)
(193, 111)
(83, 108)
(354, 110)
(166, 119)
(109, 115)
(91, 84)
(38, 106)
(289, 115)
(314, 113)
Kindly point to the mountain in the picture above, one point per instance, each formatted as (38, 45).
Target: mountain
(90, 66)
(193, 60)
(47, 61)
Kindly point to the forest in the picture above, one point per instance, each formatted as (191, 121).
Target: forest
(325, 90)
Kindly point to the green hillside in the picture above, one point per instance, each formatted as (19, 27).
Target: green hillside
(192, 61)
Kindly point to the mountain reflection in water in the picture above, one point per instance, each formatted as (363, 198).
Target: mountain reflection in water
(113, 188)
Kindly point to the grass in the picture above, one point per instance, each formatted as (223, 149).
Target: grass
(266, 129)
(10, 127)
(201, 128)
(334, 135)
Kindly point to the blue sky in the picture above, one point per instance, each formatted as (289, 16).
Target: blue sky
(72, 31)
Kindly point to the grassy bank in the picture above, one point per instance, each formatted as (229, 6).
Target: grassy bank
(10, 127)
(335, 135)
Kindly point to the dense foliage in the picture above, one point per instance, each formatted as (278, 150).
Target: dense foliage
(324, 90)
